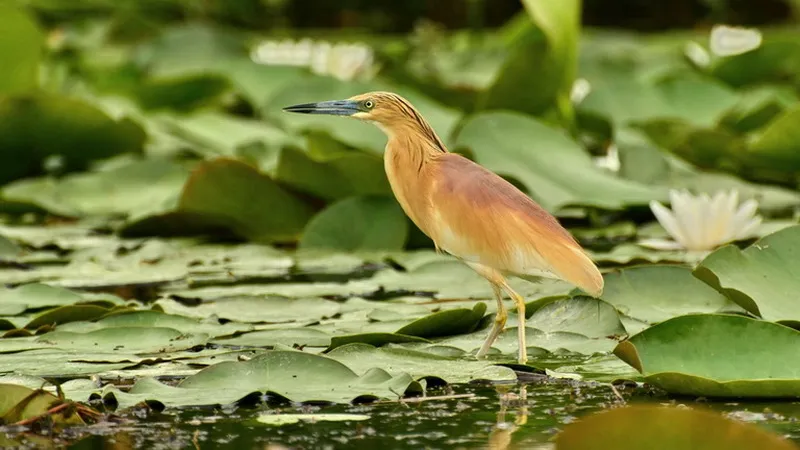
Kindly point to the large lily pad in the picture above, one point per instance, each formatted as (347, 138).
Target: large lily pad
(250, 203)
(22, 45)
(659, 292)
(255, 309)
(717, 355)
(556, 170)
(35, 127)
(665, 428)
(362, 358)
(544, 56)
(762, 278)
(358, 224)
(35, 296)
(294, 375)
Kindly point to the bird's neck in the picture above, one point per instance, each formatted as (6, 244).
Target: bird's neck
(419, 141)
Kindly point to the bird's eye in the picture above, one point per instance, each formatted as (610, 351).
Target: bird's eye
(368, 104)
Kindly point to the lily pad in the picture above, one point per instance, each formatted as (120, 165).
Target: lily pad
(664, 428)
(588, 316)
(717, 355)
(659, 292)
(358, 224)
(22, 46)
(362, 358)
(34, 296)
(556, 170)
(237, 195)
(284, 336)
(446, 323)
(762, 278)
(253, 309)
(294, 375)
(36, 126)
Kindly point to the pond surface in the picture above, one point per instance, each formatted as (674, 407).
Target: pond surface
(463, 416)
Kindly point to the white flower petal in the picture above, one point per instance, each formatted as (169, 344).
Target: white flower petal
(667, 220)
(660, 244)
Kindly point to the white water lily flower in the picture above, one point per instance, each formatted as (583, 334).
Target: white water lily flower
(344, 61)
(702, 223)
(725, 40)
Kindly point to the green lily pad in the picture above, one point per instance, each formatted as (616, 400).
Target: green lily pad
(556, 170)
(284, 336)
(544, 56)
(34, 296)
(588, 316)
(762, 278)
(358, 224)
(122, 190)
(118, 339)
(22, 47)
(656, 293)
(664, 428)
(294, 375)
(374, 339)
(253, 309)
(717, 355)
(148, 319)
(66, 314)
(505, 348)
(35, 127)
(237, 195)
(446, 323)
(328, 170)
(362, 358)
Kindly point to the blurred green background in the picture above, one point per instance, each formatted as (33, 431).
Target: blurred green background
(163, 117)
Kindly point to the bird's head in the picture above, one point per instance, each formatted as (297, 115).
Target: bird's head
(385, 109)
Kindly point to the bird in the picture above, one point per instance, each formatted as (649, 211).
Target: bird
(468, 211)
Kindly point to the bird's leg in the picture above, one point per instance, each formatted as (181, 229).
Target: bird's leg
(523, 350)
(499, 322)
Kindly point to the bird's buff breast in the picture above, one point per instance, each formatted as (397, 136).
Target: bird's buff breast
(408, 185)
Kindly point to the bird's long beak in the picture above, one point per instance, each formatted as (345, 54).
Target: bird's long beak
(334, 108)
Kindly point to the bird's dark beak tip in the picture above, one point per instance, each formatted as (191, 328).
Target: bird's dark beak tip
(336, 108)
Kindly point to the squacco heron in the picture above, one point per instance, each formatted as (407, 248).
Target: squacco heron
(467, 210)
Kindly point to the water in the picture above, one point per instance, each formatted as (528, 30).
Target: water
(475, 416)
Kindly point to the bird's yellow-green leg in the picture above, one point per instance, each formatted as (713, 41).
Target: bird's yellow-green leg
(499, 322)
(523, 350)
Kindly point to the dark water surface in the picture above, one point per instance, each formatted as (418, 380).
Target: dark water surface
(465, 417)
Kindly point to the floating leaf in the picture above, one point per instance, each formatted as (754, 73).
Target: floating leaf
(255, 309)
(36, 127)
(235, 194)
(34, 296)
(763, 278)
(22, 45)
(446, 323)
(664, 428)
(358, 224)
(715, 355)
(558, 171)
(283, 336)
(362, 358)
(588, 316)
(298, 376)
(544, 57)
(656, 293)
(373, 339)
